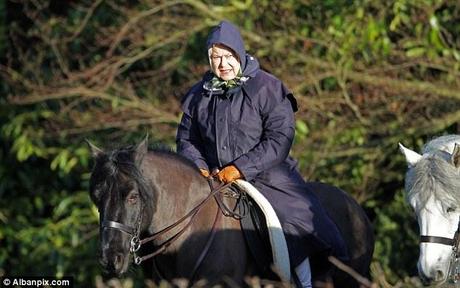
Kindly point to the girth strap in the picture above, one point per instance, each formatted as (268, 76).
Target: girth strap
(436, 239)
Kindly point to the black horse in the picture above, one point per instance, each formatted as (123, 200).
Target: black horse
(162, 197)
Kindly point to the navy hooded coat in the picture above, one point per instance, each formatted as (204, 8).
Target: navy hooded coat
(252, 127)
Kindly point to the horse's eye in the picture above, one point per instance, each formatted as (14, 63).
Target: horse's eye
(132, 198)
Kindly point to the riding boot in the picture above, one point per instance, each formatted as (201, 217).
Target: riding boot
(303, 273)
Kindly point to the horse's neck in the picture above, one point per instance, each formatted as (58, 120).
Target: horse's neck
(178, 187)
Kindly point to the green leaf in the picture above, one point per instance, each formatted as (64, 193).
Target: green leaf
(416, 52)
(435, 39)
(301, 127)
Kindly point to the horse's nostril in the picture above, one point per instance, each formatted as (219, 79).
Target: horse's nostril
(439, 275)
(118, 261)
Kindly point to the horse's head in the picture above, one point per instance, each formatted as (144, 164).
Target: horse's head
(432, 187)
(120, 193)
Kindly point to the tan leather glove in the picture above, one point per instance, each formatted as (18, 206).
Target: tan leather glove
(229, 174)
(204, 172)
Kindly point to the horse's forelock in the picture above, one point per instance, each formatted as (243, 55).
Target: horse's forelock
(434, 176)
(118, 166)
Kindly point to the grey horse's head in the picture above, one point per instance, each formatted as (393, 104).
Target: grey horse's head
(432, 187)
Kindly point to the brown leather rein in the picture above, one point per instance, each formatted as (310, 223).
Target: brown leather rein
(136, 242)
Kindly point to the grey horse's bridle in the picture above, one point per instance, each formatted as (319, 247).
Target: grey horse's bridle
(454, 265)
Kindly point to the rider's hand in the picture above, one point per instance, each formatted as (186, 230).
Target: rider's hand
(229, 174)
(204, 172)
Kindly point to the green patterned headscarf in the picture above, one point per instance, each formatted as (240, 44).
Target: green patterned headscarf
(217, 83)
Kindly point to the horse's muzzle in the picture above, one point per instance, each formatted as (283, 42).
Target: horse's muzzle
(437, 278)
(113, 263)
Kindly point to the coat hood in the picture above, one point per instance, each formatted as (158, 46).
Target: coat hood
(228, 34)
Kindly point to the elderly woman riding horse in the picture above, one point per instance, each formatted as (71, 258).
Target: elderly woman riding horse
(159, 200)
(238, 123)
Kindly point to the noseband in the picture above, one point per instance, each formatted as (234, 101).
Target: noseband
(135, 242)
(454, 268)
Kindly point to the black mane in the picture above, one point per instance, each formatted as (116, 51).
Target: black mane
(117, 165)
(120, 162)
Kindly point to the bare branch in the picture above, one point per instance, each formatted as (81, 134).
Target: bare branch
(133, 21)
(361, 279)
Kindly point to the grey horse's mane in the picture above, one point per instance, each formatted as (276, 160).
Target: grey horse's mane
(443, 143)
(435, 175)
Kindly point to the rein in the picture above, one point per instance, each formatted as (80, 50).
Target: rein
(136, 242)
(454, 242)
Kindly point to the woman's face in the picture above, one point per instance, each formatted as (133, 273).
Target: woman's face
(224, 62)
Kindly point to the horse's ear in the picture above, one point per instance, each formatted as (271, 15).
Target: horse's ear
(456, 156)
(142, 149)
(412, 157)
(95, 151)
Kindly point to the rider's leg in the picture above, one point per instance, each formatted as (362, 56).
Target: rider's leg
(303, 272)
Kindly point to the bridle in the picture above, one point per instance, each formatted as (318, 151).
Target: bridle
(454, 265)
(134, 232)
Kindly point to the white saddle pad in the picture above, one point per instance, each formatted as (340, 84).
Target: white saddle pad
(275, 231)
